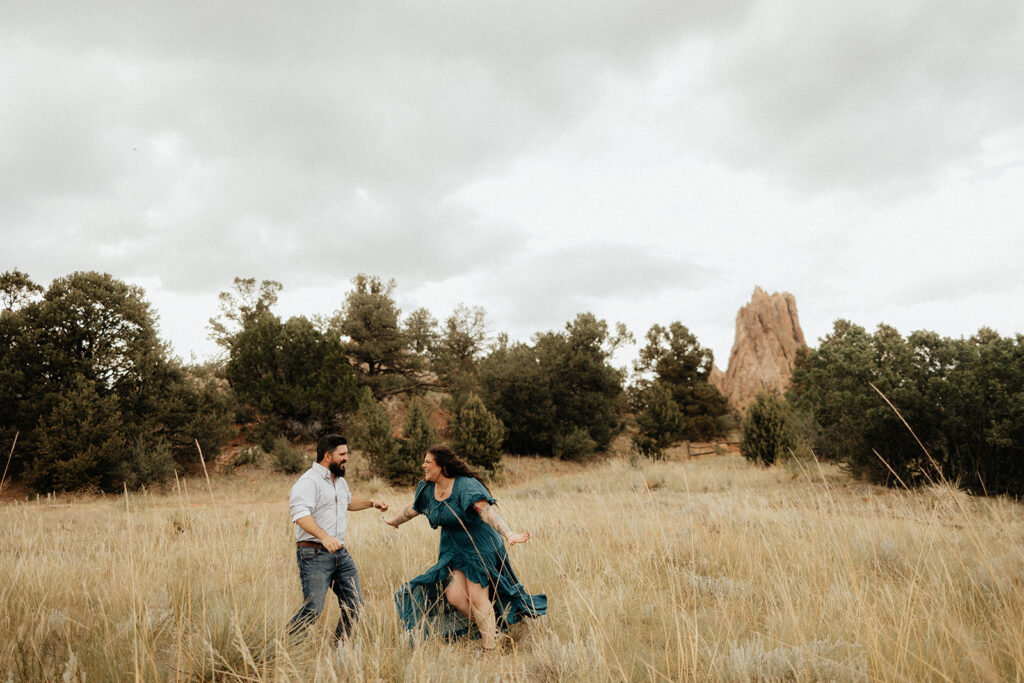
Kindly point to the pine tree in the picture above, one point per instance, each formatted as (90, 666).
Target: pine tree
(767, 435)
(478, 435)
(418, 434)
(375, 437)
(660, 422)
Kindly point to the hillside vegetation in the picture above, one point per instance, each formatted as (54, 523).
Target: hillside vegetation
(707, 569)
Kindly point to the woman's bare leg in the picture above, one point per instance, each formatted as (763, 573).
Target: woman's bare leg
(457, 593)
(483, 613)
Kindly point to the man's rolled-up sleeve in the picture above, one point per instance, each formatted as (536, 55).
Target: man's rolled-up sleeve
(302, 499)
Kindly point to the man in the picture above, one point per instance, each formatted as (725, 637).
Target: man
(319, 502)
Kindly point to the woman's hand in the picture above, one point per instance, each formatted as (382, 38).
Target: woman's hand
(518, 538)
(491, 516)
(401, 518)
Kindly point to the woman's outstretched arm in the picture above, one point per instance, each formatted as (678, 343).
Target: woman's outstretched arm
(402, 517)
(494, 520)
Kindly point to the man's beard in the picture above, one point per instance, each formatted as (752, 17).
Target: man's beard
(337, 470)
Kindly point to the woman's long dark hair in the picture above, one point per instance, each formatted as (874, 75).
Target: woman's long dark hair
(452, 465)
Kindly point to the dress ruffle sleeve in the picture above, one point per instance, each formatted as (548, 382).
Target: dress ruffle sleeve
(471, 492)
(421, 500)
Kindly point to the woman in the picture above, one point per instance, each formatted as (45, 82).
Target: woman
(472, 570)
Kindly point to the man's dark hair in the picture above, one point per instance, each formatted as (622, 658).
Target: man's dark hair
(328, 443)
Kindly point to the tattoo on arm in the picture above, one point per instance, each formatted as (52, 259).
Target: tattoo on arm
(491, 516)
(406, 514)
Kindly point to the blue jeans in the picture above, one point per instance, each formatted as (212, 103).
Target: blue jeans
(318, 571)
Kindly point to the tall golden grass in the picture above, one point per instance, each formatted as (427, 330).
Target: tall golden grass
(709, 569)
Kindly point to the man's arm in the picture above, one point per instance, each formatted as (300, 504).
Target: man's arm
(357, 504)
(302, 502)
(309, 525)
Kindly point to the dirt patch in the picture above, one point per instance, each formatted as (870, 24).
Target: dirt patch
(13, 490)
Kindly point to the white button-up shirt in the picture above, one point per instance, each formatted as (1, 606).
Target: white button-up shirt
(314, 494)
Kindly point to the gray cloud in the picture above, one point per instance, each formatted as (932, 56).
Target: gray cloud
(184, 144)
(871, 95)
(536, 289)
(960, 286)
(220, 138)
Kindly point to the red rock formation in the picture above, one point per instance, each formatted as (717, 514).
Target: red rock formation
(768, 336)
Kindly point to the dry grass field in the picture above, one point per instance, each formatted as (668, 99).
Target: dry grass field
(706, 569)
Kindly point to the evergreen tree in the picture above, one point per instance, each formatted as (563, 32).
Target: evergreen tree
(678, 361)
(832, 382)
(81, 442)
(562, 388)
(767, 433)
(418, 434)
(421, 331)
(379, 349)
(478, 435)
(376, 439)
(660, 422)
(241, 308)
(17, 289)
(192, 408)
(87, 353)
(457, 350)
(517, 390)
(291, 371)
(963, 399)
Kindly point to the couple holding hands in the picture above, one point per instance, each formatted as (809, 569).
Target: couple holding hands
(472, 582)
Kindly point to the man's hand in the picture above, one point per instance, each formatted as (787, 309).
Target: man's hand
(331, 544)
(307, 524)
(380, 505)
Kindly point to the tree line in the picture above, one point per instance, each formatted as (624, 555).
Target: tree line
(903, 411)
(97, 401)
(92, 395)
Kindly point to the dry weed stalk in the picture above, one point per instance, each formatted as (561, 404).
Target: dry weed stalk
(723, 572)
(9, 456)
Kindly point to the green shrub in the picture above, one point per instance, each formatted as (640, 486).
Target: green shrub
(81, 443)
(252, 456)
(767, 433)
(266, 433)
(396, 460)
(660, 423)
(287, 458)
(963, 398)
(478, 435)
(576, 445)
(151, 461)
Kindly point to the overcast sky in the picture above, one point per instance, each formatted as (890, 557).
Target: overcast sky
(645, 161)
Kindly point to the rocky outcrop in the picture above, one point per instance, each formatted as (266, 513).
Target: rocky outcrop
(768, 336)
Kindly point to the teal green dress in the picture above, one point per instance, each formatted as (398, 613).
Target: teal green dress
(470, 545)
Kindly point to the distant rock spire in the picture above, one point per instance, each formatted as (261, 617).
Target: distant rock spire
(768, 336)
